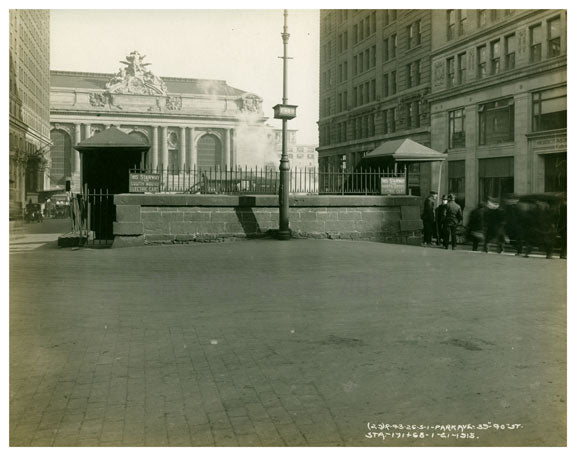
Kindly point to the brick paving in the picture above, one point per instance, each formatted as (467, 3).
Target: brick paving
(268, 343)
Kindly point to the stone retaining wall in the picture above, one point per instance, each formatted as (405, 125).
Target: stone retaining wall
(158, 218)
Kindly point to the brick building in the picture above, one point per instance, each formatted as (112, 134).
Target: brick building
(498, 101)
(374, 84)
(29, 118)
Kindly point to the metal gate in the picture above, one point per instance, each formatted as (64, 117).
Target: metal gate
(93, 214)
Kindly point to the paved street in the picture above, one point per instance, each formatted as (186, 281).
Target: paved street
(272, 343)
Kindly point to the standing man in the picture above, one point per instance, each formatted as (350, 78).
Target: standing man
(440, 218)
(428, 217)
(452, 219)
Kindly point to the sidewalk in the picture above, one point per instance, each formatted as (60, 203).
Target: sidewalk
(272, 343)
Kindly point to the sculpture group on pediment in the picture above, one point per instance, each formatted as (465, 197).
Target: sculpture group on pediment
(99, 100)
(250, 103)
(174, 103)
(135, 78)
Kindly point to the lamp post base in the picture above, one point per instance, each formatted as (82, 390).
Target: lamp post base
(284, 235)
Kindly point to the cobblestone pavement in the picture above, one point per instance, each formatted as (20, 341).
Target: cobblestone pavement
(269, 343)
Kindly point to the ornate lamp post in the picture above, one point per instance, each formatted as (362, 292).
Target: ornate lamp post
(285, 112)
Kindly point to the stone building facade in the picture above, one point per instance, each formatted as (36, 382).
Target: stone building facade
(186, 122)
(498, 99)
(374, 83)
(29, 118)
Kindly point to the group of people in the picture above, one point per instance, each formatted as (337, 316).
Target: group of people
(441, 222)
(524, 222)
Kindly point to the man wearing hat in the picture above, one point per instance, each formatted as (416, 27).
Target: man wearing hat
(452, 219)
(428, 217)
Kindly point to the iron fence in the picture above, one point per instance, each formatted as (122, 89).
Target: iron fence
(265, 181)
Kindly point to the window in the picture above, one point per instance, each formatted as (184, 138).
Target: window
(415, 114)
(462, 22)
(456, 131)
(385, 18)
(361, 30)
(392, 120)
(416, 65)
(393, 82)
(481, 18)
(554, 37)
(413, 33)
(451, 20)
(409, 115)
(373, 89)
(385, 85)
(373, 21)
(345, 40)
(345, 71)
(385, 54)
(355, 34)
(394, 43)
(481, 59)
(393, 15)
(361, 62)
(496, 177)
(345, 100)
(355, 65)
(409, 75)
(385, 121)
(510, 51)
(461, 68)
(549, 109)
(450, 72)
(495, 57)
(373, 62)
(555, 175)
(457, 180)
(497, 122)
(536, 43)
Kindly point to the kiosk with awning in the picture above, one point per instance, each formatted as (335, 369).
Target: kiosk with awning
(107, 158)
(405, 151)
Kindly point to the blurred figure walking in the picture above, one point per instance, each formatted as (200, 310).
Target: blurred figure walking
(476, 226)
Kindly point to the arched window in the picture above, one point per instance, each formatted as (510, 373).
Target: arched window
(209, 152)
(144, 162)
(61, 153)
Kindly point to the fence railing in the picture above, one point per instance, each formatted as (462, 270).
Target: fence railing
(265, 181)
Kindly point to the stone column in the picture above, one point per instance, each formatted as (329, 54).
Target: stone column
(228, 157)
(75, 153)
(234, 148)
(154, 158)
(87, 131)
(165, 147)
(182, 151)
(192, 159)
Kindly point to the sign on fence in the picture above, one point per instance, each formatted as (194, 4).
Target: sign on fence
(393, 185)
(144, 183)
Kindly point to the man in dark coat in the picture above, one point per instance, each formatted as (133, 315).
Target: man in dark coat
(440, 217)
(452, 219)
(428, 217)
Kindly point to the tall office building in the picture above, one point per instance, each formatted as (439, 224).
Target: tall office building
(374, 84)
(499, 101)
(29, 119)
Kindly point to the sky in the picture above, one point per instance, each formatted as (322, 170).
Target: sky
(239, 46)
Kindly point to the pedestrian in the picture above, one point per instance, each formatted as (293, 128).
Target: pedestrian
(440, 219)
(428, 217)
(476, 226)
(452, 219)
(494, 225)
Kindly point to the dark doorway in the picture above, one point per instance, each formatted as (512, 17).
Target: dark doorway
(109, 169)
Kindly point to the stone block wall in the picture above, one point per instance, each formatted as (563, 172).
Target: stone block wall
(150, 219)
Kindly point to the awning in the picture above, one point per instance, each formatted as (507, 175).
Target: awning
(112, 139)
(405, 150)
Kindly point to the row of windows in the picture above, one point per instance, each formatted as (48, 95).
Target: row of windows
(457, 20)
(364, 60)
(365, 28)
(364, 126)
(496, 119)
(500, 54)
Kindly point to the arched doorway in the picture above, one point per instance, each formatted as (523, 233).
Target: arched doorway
(61, 155)
(144, 161)
(209, 151)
